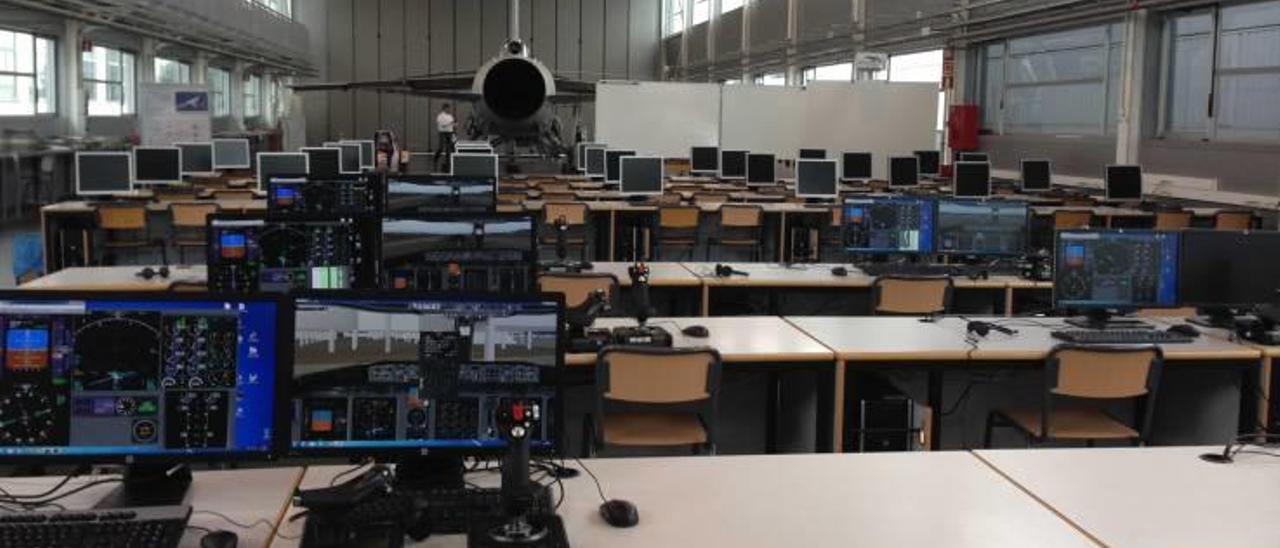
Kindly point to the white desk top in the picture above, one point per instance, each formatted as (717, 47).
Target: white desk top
(243, 495)
(814, 275)
(117, 278)
(812, 501)
(739, 339)
(1154, 496)
(661, 274)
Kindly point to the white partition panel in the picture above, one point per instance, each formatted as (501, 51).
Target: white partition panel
(762, 119)
(657, 118)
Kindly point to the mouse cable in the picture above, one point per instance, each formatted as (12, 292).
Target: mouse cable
(599, 489)
(224, 517)
(29, 504)
(79, 471)
(363, 463)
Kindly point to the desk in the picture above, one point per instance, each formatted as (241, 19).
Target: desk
(1154, 497)
(661, 274)
(940, 345)
(116, 278)
(813, 501)
(243, 495)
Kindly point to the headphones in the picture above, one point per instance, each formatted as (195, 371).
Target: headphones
(148, 273)
(725, 271)
(982, 329)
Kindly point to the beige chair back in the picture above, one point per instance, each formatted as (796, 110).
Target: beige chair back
(1113, 374)
(576, 287)
(1067, 219)
(678, 217)
(573, 213)
(122, 217)
(192, 214)
(512, 197)
(741, 216)
(710, 198)
(1233, 220)
(555, 187)
(1173, 220)
(233, 195)
(671, 377)
(911, 295)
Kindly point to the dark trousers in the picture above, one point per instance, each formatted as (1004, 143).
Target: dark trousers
(444, 146)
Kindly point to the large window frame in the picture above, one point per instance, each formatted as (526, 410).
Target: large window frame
(252, 96)
(28, 66)
(219, 91)
(284, 8)
(111, 91)
(172, 71)
(673, 16)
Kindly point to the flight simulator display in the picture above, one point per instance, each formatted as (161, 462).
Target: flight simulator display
(350, 195)
(283, 254)
(474, 253)
(982, 228)
(388, 373)
(1116, 269)
(411, 194)
(889, 225)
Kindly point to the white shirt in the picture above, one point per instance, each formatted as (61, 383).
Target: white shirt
(444, 122)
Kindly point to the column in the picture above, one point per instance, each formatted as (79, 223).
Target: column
(236, 94)
(71, 99)
(1132, 87)
(200, 68)
(146, 64)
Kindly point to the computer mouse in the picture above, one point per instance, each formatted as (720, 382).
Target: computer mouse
(696, 331)
(1185, 329)
(619, 513)
(219, 539)
(840, 271)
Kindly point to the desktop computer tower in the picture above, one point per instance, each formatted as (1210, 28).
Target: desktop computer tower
(884, 418)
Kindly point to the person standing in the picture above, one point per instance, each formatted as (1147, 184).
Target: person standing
(445, 125)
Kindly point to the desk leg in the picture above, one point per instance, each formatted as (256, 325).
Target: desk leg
(613, 235)
(782, 236)
(773, 402)
(837, 405)
(1264, 386)
(935, 408)
(1008, 301)
(706, 299)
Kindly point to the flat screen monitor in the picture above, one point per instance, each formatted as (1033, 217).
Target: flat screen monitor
(157, 165)
(485, 253)
(642, 175)
(973, 157)
(761, 169)
(733, 164)
(1115, 269)
(971, 180)
(390, 372)
(704, 160)
(889, 225)
(982, 228)
(1124, 182)
(1037, 175)
(348, 157)
(613, 164)
(580, 159)
(595, 161)
(816, 179)
(440, 194)
(247, 254)
(197, 158)
(323, 162)
(855, 166)
(103, 173)
(904, 171)
(157, 377)
(930, 162)
(474, 165)
(366, 152)
(812, 154)
(231, 154)
(1229, 269)
(271, 164)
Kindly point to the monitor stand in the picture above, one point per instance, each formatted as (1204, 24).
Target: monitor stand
(638, 198)
(149, 485)
(424, 472)
(1104, 320)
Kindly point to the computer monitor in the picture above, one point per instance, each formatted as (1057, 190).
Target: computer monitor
(904, 171)
(613, 164)
(350, 195)
(1037, 175)
(642, 175)
(394, 373)
(816, 179)
(1115, 269)
(930, 162)
(987, 228)
(855, 166)
(197, 158)
(366, 152)
(889, 225)
(761, 169)
(231, 154)
(323, 162)
(733, 164)
(271, 164)
(422, 194)
(349, 157)
(143, 378)
(474, 165)
(103, 173)
(580, 159)
(971, 180)
(973, 157)
(595, 161)
(812, 154)
(157, 165)
(493, 252)
(247, 254)
(1229, 269)
(704, 160)
(1124, 182)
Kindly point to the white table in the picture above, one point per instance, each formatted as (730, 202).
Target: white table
(246, 496)
(813, 501)
(1154, 497)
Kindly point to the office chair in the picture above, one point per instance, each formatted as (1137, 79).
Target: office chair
(678, 227)
(124, 226)
(740, 226)
(1233, 220)
(228, 194)
(1088, 373)
(911, 295)
(655, 397)
(1173, 219)
(1065, 219)
(188, 225)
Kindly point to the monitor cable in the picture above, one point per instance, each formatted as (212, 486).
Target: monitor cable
(1239, 445)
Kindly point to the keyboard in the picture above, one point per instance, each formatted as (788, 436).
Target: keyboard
(142, 527)
(1120, 336)
(453, 511)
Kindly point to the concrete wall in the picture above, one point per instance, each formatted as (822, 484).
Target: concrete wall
(1238, 167)
(382, 39)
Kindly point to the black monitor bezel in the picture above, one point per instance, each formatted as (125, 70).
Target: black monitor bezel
(890, 177)
(385, 272)
(557, 447)
(1184, 252)
(955, 180)
(744, 154)
(283, 370)
(844, 171)
(1107, 184)
(367, 276)
(937, 228)
(773, 162)
(920, 156)
(693, 165)
(1126, 307)
(1022, 174)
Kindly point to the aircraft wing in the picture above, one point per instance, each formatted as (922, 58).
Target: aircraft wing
(440, 87)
